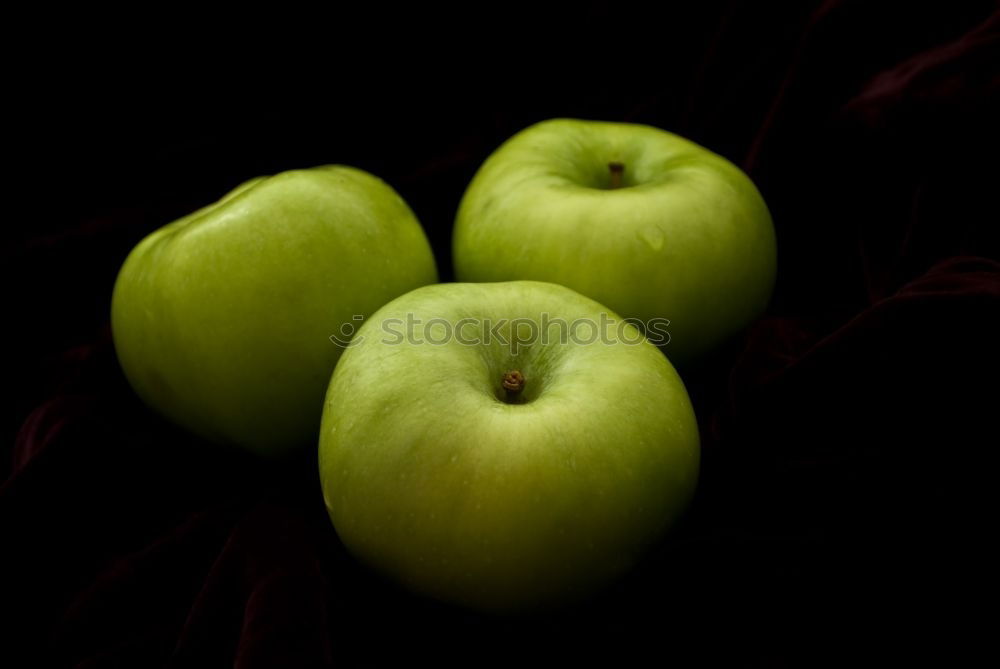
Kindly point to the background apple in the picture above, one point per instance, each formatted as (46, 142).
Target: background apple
(644, 221)
(222, 319)
(500, 480)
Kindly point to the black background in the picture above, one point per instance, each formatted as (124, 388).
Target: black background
(845, 499)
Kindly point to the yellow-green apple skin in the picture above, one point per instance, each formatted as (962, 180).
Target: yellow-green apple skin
(222, 319)
(433, 477)
(684, 236)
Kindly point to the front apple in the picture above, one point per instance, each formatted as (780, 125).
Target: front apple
(504, 445)
(222, 320)
(644, 221)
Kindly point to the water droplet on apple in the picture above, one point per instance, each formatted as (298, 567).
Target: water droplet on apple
(653, 236)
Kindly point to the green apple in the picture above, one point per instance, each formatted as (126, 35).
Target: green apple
(644, 221)
(222, 320)
(480, 446)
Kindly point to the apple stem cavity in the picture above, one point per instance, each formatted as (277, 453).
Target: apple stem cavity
(513, 384)
(617, 173)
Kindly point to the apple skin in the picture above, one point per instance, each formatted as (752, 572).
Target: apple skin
(222, 319)
(433, 479)
(686, 238)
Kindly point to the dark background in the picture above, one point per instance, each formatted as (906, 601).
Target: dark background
(845, 501)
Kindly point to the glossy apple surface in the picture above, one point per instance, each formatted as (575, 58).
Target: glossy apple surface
(222, 320)
(642, 220)
(435, 475)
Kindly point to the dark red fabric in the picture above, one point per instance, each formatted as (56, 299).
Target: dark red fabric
(845, 505)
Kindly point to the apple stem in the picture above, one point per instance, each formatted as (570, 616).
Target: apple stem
(513, 383)
(617, 171)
